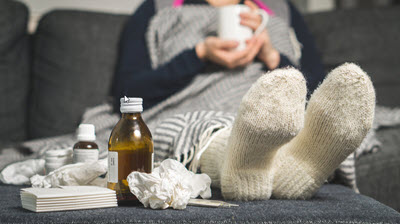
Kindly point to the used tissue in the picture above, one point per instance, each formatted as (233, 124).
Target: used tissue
(19, 173)
(169, 185)
(73, 175)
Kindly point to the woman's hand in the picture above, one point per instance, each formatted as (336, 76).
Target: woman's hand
(222, 51)
(267, 54)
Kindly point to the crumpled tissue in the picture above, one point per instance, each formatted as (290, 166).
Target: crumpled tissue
(169, 185)
(20, 172)
(73, 175)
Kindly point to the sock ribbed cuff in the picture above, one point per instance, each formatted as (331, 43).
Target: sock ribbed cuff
(294, 180)
(247, 185)
(212, 159)
(212, 168)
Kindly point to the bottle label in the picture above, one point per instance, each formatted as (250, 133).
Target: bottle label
(112, 167)
(85, 155)
(152, 162)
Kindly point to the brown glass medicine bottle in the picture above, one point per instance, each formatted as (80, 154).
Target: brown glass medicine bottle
(130, 148)
(85, 150)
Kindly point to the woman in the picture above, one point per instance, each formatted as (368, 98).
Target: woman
(274, 147)
(136, 77)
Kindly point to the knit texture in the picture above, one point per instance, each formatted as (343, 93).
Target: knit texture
(271, 114)
(212, 159)
(263, 152)
(338, 117)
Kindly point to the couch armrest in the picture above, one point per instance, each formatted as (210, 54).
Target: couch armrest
(378, 174)
(366, 37)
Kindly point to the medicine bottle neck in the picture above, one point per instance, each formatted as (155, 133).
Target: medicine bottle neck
(132, 116)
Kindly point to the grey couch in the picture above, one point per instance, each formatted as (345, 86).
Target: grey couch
(48, 79)
(369, 37)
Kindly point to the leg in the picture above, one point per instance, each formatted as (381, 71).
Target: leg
(270, 114)
(338, 117)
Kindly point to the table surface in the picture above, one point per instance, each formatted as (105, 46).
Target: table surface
(332, 203)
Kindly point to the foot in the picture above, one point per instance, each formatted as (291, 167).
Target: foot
(338, 117)
(270, 115)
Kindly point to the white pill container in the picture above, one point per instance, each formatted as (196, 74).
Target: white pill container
(57, 158)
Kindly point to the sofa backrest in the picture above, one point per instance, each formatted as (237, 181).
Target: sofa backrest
(75, 54)
(74, 58)
(14, 71)
(368, 37)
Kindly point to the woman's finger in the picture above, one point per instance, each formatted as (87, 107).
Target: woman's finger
(250, 15)
(250, 23)
(233, 59)
(253, 51)
(250, 19)
(251, 4)
(226, 44)
(248, 52)
(239, 55)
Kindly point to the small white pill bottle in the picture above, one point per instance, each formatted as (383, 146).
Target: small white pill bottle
(86, 150)
(57, 158)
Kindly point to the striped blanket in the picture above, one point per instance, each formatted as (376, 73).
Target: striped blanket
(182, 137)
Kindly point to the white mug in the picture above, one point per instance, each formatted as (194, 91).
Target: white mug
(229, 27)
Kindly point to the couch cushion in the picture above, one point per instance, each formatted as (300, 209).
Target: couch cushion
(332, 204)
(74, 59)
(378, 175)
(14, 71)
(366, 37)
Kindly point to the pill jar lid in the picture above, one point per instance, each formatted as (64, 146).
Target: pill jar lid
(86, 132)
(131, 105)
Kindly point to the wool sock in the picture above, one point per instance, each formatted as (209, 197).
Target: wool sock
(270, 114)
(338, 116)
(212, 159)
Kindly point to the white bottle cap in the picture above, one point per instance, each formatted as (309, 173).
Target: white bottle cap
(131, 105)
(86, 132)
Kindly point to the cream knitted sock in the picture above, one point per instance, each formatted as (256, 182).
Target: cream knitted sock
(338, 117)
(270, 114)
(212, 159)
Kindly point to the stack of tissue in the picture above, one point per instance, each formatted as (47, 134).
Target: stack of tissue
(169, 185)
